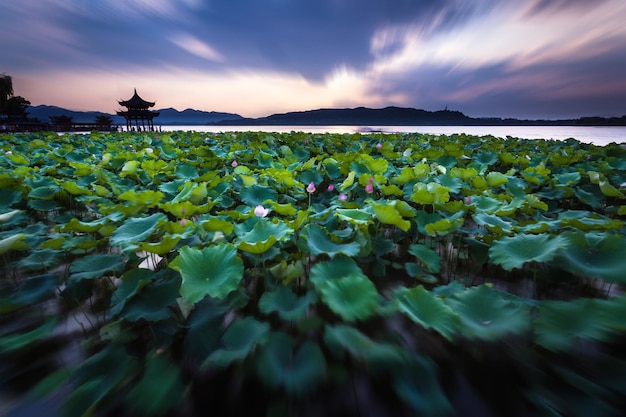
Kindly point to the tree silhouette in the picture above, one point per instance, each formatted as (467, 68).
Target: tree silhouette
(6, 91)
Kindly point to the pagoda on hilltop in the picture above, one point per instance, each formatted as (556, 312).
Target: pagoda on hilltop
(137, 115)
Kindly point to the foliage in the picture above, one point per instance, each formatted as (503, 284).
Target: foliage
(303, 265)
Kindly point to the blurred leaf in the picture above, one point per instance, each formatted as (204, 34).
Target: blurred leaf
(427, 256)
(286, 303)
(353, 297)
(256, 195)
(487, 316)
(13, 342)
(159, 390)
(13, 242)
(592, 255)
(238, 341)
(428, 310)
(136, 230)
(360, 346)
(296, 370)
(96, 266)
(319, 243)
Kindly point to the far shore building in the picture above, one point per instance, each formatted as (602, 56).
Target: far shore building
(137, 115)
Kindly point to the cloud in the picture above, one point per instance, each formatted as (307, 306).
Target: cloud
(196, 47)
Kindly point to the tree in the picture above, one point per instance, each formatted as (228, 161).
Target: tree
(16, 106)
(6, 91)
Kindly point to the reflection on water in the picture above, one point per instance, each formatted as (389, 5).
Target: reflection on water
(598, 135)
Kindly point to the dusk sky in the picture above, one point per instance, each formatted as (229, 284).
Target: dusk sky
(487, 58)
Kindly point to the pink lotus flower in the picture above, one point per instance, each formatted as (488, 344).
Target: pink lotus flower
(369, 188)
(310, 188)
(234, 164)
(260, 211)
(343, 197)
(331, 187)
(468, 199)
(183, 222)
(379, 145)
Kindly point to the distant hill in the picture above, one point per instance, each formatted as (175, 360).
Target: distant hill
(388, 116)
(167, 116)
(172, 116)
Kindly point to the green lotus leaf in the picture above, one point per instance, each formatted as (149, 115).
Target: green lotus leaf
(136, 229)
(75, 189)
(610, 191)
(185, 193)
(344, 337)
(337, 268)
(493, 223)
(594, 177)
(45, 192)
(96, 266)
(427, 256)
(353, 297)
(18, 341)
(205, 328)
(7, 217)
(533, 201)
(513, 252)
(256, 195)
(286, 303)
(215, 224)
(354, 216)
(496, 179)
(592, 255)
(13, 242)
(311, 175)
(377, 165)
(160, 388)
(416, 271)
(75, 225)
(263, 236)
(388, 214)
(428, 310)
(185, 209)
(165, 246)
(9, 197)
(238, 341)
(31, 291)
(148, 198)
(444, 226)
(430, 193)
(186, 171)
(348, 182)
(485, 315)
(215, 271)
(486, 158)
(560, 324)
(132, 282)
(296, 370)
(590, 196)
(283, 209)
(319, 242)
(287, 272)
(567, 179)
(41, 259)
(151, 302)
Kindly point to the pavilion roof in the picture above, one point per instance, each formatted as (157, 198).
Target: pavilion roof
(136, 102)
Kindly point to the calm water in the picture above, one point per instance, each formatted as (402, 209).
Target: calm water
(596, 135)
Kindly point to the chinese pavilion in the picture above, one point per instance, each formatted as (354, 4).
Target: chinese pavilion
(137, 114)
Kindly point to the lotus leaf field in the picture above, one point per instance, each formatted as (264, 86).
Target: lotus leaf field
(175, 274)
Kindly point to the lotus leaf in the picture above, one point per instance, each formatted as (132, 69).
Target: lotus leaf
(263, 236)
(159, 390)
(388, 214)
(13, 242)
(353, 297)
(319, 242)
(427, 256)
(286, 303)
(214, 271)
(486, 315)
(14, 342)
(257, 195)
(296, 370)
(238, 341)
(592, 255)
(343, 337)
(96, 266)
(136, 230)
(428, 310)
(515, 251)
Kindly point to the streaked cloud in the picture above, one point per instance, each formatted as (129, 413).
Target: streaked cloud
(550, 58)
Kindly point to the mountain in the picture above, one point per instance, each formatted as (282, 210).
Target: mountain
(168, 116)
(172, 116)
(43, 113)
(388, 116)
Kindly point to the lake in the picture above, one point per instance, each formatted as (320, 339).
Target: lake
(598, 135)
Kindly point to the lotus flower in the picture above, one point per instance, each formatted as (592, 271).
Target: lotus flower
(234, 164)
(343, 197)
(310, 188)
(369, 188)
(379, 145)
(260, 211)
(331, 187)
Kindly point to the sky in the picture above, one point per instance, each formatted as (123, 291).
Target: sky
(535, 59)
